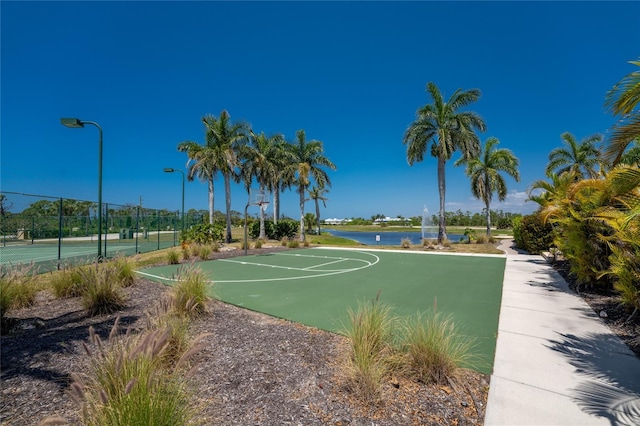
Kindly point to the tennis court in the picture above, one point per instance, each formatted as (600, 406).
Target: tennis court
(316, 286)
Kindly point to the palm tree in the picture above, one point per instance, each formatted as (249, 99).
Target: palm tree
(307, 162)
(485, 174)
(447, 130)
(260, 160)
(580, 157)
(622, 100)
(219, 153)
(317, 194)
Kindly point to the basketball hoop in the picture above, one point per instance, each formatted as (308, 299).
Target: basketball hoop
(257, 197)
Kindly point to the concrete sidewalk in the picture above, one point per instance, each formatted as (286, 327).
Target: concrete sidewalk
(556, 362)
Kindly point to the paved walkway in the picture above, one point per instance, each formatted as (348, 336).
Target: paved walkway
(556, 362)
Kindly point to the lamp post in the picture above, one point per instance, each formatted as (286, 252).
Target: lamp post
(76, 123)
(170, 170)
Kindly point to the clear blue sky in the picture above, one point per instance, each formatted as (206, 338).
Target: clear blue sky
(351, 74)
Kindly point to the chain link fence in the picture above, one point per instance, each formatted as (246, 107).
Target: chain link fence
(51, 232)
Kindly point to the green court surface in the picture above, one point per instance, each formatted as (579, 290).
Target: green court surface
(317, 286)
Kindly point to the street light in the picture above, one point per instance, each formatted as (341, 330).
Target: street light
(76, 123)
(170, 170)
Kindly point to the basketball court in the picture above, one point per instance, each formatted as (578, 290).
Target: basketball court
(317, 286)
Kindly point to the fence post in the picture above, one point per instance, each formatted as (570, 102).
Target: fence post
(59, 234)
(137, 226)
(158, 221)
(106, 232)
(33, 228)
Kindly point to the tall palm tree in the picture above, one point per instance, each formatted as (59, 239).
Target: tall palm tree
(218, 154)
(316, 194)
(444, 129)
(260, 157)
(623, 100)
(484, 172)
(580, 157)
(307, 162)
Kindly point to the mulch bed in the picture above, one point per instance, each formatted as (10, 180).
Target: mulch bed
(254, 369)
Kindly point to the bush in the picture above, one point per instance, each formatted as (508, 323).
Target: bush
(102, 293)
(504, 223)
(190, 292)
(285, 228)
(269, 229)
(173, 258)
(67, 282)
(203, 233)
(434, 351)
(532, 234)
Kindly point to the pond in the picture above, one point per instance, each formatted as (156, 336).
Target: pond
(389, 238)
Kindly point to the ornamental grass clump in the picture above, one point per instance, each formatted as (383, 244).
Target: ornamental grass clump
(67, 282)
(370, 331)
(433, 348)
(17, 289)
(127, 383)
(173, 257)
(204, 251)
(126, 270)
(190, 293)
(405, 243)
(102, 291)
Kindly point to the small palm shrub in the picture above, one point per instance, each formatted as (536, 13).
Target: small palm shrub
(126, 271)
(204, 251)
(67, 282)
(102, 293)
(173, 258)
(370, 331)
(190, 292)
(433, 349)
(405, 243)
(127, 384)
(17, 289)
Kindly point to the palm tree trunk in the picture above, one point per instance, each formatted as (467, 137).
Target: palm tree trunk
(262, 231)
(318, 215)
(276, 203)
(488, 214)
(210, 183)
(442, 231)
(227, 193)
(301, 191)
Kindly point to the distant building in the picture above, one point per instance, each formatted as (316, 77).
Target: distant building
(388, 219)
(336, 221)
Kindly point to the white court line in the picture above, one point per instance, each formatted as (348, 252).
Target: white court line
(341, 259)
(323, 274)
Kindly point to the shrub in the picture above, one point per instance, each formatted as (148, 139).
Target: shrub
(504, 223)
(370, 332)
(102, 293)
(433, 348)
(190, 292)
(126, 384)
(286, 228)
(471, 234)
(173, 258)
(126, 271)
(67, 282)
(203, 233)
(405, 243)
(534, 235)
(269, 229)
